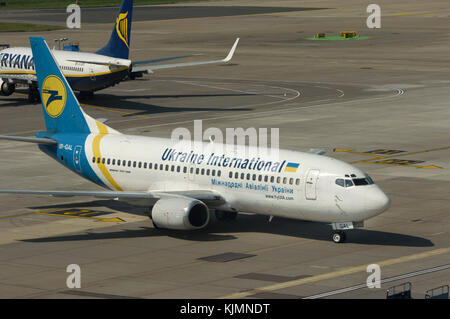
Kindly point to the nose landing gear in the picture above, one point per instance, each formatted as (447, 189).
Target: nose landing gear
(339, 236)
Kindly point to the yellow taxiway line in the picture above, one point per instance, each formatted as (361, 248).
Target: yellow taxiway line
(338, 273)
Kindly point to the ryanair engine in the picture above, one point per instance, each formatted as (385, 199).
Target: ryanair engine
(6, 88)
(180, 213)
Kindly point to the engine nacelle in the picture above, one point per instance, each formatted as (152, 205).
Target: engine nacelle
(180, 213)
(6, 88)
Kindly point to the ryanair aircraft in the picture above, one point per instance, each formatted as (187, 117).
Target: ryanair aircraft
(88, 72)
(183, 182)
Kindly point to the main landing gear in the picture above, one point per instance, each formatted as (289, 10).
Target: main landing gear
(33, 95)
(339, 236)
(225, 216)
(86, 95)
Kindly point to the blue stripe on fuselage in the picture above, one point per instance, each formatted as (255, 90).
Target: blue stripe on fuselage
(98, 82)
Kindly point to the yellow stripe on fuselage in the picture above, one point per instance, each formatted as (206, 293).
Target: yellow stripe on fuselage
(290, 169)
(69, 75)
(103, 129)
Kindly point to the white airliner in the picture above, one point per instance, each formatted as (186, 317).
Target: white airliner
(181, 182)
(89, 72)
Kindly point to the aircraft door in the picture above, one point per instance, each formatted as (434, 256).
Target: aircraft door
(191, 172)
(76, 157)
(311, 184)
(92, 76)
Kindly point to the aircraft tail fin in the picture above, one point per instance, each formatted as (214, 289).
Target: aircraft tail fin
(119, 42)
(62, 112)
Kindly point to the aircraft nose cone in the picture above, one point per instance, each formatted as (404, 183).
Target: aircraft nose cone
(377, 201)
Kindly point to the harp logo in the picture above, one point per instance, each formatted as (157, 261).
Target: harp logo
(122, 27)
(54, 95)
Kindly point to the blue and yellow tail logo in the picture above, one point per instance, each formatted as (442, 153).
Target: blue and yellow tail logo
(54, 95)
(291, 167)
(122, 27)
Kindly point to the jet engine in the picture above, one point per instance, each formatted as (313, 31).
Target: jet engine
(6, 88)
(180, 213)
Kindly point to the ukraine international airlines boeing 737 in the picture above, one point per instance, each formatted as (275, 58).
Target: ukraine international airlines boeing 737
(88, 72)
(182, 184)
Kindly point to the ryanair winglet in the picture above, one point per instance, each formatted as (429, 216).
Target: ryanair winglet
(62, 112)
(119, 43)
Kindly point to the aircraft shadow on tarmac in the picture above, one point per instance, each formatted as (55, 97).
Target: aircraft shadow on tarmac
(122, 102)
(218, 231)
(12, 101)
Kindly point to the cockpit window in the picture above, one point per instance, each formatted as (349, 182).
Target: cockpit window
(360, 181)
(363, 181)
(340, 182)
(348, 183)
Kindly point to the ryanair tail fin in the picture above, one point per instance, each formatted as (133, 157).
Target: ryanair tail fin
(62, 112)
(119, 43)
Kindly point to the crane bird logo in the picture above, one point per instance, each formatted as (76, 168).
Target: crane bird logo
(122, 27)
(54, 96)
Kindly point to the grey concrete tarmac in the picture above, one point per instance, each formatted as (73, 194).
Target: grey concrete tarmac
(390, 92)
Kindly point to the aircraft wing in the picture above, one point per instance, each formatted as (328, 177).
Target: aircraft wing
(210, 198)
(19, 77)
(163, 59)
(151, 68)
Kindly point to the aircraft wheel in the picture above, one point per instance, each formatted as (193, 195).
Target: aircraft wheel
(339, 237)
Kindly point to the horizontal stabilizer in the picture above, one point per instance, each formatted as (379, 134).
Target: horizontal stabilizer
(37, 140)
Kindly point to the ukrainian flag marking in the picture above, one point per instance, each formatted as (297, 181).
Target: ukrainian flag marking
(291, 167)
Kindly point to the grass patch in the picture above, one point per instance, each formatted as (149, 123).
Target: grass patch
(47, 4)
(27, 27)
